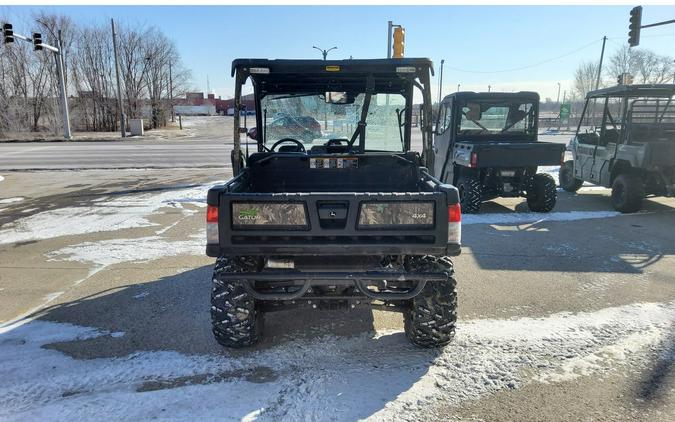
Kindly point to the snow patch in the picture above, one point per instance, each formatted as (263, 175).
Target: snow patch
(532, 217)
(349, 378)
(105, 215)
(115, 251)
(11, 200)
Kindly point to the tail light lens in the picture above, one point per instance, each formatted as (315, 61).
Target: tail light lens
(454, 223)
(212, 236)
(474, 160)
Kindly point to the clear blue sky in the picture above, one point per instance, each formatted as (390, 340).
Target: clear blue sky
(477, 38)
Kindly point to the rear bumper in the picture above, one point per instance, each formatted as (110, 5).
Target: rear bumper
(359, 280)
(450, 249)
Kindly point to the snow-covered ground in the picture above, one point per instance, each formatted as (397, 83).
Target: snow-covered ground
(11, 200)
(379, 376)
(115, 251)
(106, 214)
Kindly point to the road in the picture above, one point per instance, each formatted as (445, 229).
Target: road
(114, 155)
(206, 142)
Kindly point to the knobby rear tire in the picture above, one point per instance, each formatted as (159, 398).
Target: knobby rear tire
(235, 320)
(542, 194)
(430, 319)
(470, 194)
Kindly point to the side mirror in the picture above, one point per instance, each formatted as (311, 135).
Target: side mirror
(252, 133)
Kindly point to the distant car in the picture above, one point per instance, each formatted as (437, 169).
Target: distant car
(301, 128)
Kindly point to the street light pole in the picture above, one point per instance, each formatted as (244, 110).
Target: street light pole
(489, 88)
(557, 100)
(324, 52)
(458, 85)
(390, 24)
(440, 83)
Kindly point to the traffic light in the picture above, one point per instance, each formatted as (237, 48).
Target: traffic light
(399, 42)
(625, 79)
(634, 26)
(37, 41)
(8, 33)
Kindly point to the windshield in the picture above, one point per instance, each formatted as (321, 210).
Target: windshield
(497, 118)
(312, 121)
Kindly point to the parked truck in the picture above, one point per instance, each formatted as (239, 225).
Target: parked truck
(350, 218)
(486, 144)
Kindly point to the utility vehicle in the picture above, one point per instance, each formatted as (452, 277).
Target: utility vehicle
(625, 140)
(486, 144)
(351, 218)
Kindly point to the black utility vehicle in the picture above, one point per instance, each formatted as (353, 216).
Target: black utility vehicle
(486, 145)
(629, 147)
(351, 218)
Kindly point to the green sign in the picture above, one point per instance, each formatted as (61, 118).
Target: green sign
(565, 111)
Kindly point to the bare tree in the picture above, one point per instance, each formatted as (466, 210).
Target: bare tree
(645, 65)
(585, 78)
(29, 86)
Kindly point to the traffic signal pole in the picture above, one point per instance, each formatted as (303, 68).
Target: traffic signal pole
(635, 25)
(64, 94)
(9, 36)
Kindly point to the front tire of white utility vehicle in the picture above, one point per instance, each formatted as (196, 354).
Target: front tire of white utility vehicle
(566, 177)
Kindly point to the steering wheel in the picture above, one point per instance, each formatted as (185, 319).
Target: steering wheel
(295, 141)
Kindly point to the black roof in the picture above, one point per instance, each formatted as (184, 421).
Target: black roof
(469, 95)
(316, 66)
(658, 90)
(319, 76)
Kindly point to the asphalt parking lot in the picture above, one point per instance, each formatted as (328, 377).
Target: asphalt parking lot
(104, 309)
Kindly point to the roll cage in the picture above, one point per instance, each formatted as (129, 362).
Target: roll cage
(309, 77)
(622, 119)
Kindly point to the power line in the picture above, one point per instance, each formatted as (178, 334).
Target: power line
(527, 66)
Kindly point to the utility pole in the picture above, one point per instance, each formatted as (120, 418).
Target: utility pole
(173, 115)
(602, 56)
(123, 117)
(440, 83)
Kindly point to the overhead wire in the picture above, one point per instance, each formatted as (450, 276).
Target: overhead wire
(527, 66)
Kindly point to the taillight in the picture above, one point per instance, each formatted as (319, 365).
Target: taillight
(212, 224)
(454, 223)
(474, 159)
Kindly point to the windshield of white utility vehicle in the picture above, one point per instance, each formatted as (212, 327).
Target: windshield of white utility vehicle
(496, 118)
(312, 121)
